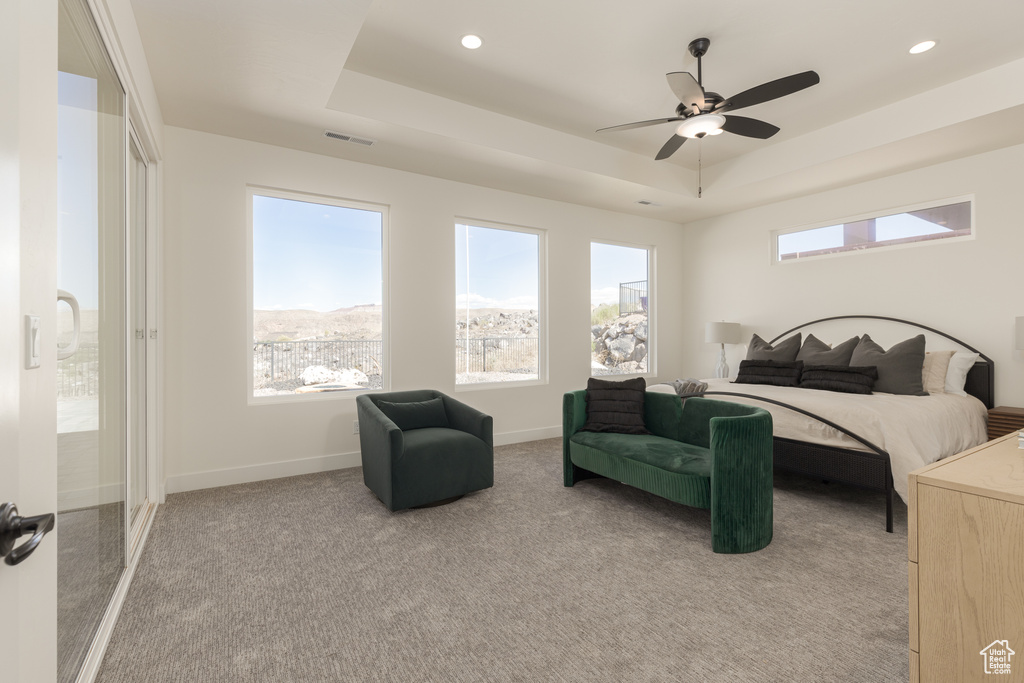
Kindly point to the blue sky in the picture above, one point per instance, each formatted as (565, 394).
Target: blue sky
(314, 257)
(896, 226)
(502, 268)
(77, 189)
(611, 264)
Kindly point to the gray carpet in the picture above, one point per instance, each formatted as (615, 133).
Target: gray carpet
(90, 559)
(311, 579)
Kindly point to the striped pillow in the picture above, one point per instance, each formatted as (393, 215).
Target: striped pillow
(846, 379)
(774, 372)
(616, 406)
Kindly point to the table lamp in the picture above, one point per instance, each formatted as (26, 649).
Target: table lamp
(722, 333)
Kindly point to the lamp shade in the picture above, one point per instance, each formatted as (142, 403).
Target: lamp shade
(1020, 334)
(729, 333)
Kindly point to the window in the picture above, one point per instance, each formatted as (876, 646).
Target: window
(498, 316)
(917, 225)
(317, 294)
(620, 304)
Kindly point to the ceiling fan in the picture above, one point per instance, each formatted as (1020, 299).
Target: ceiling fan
(702, 112)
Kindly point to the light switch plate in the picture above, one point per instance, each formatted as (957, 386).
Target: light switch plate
(33, 342)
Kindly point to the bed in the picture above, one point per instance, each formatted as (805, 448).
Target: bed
(872, 441)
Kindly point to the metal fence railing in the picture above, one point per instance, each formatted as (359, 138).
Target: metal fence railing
(496, 354)
(285, 361)
(632, 297)
(79, 375)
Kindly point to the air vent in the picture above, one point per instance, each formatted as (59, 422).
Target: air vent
(348, 138)
(647, 202)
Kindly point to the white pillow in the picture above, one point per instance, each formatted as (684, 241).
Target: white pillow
(933, 374)
(956, 375)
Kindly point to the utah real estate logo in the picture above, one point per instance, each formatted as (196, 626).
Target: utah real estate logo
(997, 657)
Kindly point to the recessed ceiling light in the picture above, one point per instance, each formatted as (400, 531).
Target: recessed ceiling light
(471, 42)
(922, 47)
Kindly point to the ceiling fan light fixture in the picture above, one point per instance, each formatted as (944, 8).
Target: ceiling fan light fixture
(701, 125)
(471, 42)
(699, 112)
(922, 47)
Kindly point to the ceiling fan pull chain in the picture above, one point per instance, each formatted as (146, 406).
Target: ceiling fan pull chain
(700, 168)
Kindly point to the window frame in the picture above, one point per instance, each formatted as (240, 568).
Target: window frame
(872, 247)
(252, 191)
(652, 306)
(542, 303)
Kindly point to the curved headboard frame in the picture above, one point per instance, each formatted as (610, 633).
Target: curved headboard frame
(980, 380)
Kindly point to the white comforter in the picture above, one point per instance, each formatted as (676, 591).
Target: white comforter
(915, 430)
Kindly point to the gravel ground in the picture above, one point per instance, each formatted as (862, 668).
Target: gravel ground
(288, 388)
(487, 377)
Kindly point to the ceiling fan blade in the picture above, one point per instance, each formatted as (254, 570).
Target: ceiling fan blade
(640, 124)
(769, 91)
(687, 89)
(670, 147)
(751, 128)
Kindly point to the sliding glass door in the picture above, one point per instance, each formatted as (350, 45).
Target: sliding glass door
(92, 386)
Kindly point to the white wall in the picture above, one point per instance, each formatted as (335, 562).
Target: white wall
(971, 289)
(215, 437)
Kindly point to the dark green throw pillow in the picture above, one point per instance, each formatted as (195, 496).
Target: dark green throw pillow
(416, 414)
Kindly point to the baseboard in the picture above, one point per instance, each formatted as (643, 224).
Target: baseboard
(89, 497)
(249, 473)
(527, 435)
(324, 463)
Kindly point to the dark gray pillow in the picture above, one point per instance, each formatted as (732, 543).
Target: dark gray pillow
(816, 352)
(415, 414)
(899, 368)
(847, 379)
(616, 406)
(785, 351)
(773, 372)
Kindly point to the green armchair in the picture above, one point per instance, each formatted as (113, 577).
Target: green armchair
(702, 453)
(430, 449)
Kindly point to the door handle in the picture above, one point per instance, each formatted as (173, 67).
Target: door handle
(13, 527)
(76, 317)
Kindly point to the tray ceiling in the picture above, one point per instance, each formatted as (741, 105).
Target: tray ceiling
(520, 112)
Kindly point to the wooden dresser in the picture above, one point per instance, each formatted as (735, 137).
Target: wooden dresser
(966, 540)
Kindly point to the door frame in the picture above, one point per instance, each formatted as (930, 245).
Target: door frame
(135, 532)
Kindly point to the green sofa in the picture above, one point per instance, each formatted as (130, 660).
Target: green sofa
(702, 453)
